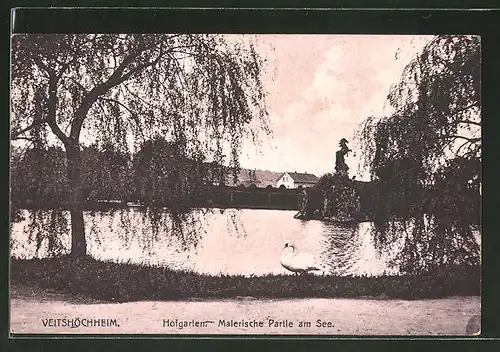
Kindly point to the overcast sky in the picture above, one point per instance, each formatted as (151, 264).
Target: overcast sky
(320, 87)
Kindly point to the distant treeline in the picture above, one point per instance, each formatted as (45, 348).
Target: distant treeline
(163, 174)
(396, 195)
(160, 173)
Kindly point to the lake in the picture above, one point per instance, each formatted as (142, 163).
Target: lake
(245, 241)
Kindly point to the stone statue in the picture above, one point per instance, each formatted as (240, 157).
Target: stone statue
(340, 166)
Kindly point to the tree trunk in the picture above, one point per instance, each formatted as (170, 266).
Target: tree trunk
(78, 242)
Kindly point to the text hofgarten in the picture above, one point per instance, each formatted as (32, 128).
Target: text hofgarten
(243, 323)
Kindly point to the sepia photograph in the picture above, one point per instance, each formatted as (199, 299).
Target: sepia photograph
(245, 184)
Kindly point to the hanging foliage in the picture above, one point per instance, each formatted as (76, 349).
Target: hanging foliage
(425, 156)
(201, 91)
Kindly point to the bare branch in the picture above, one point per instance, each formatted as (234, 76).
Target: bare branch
(115, 79)
(141, 67)
(52, 107)
(65, 67)
(470, 106)
(462, 145)
(17, 134)
(469, 122)
(119, 103)
(133, 115)
(51, 103)
(137, 96)
(52, 100)
(30, 139)
(50, 71)
(455, 136)
(77, 83)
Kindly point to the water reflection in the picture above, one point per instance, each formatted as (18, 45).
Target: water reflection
(247, 242)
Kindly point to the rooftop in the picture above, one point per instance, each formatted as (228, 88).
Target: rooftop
(303, 177)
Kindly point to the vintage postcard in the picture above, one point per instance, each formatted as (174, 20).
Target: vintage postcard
(267, 184)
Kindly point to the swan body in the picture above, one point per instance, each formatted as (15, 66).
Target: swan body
(297, 262)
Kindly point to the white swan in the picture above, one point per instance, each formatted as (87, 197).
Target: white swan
(297, 262)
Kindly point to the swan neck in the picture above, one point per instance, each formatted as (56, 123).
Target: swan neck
(294, 248)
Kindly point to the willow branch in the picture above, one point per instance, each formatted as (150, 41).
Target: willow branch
(17, 134)
(137, 96)
(461, 146)
(30, 139)
(141, 68)
(469, 122)
(50, 71)
(51, 103)
(471, 140)
(115, 79)
(133, 115)
(470, 106)
(52, 111)
(119, 103)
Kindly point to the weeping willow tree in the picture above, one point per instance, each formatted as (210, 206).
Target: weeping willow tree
(201, 91)
(107, 173)
(425, 157)
(165, 175)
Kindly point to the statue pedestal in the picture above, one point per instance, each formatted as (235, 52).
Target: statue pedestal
(335, 198)
(342, 198)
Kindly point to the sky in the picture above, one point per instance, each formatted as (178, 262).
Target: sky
(320, 87)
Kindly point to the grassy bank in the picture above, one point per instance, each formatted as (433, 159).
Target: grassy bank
(129, 282)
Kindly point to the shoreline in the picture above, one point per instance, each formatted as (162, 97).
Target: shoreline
(123, 282)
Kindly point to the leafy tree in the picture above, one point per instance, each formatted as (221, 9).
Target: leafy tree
(108, 173)
(436, 109)
(200, 90)
(38, 177)
(426, 152)
(39, 181)
(166, 175)
(252, 177)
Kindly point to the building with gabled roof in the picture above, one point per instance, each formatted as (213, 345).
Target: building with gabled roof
(296, 180)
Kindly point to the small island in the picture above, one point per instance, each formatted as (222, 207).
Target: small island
(334, 197)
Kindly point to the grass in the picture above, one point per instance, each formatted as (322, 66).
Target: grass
(118, 282)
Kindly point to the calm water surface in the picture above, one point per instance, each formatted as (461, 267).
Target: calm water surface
(247, 242)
